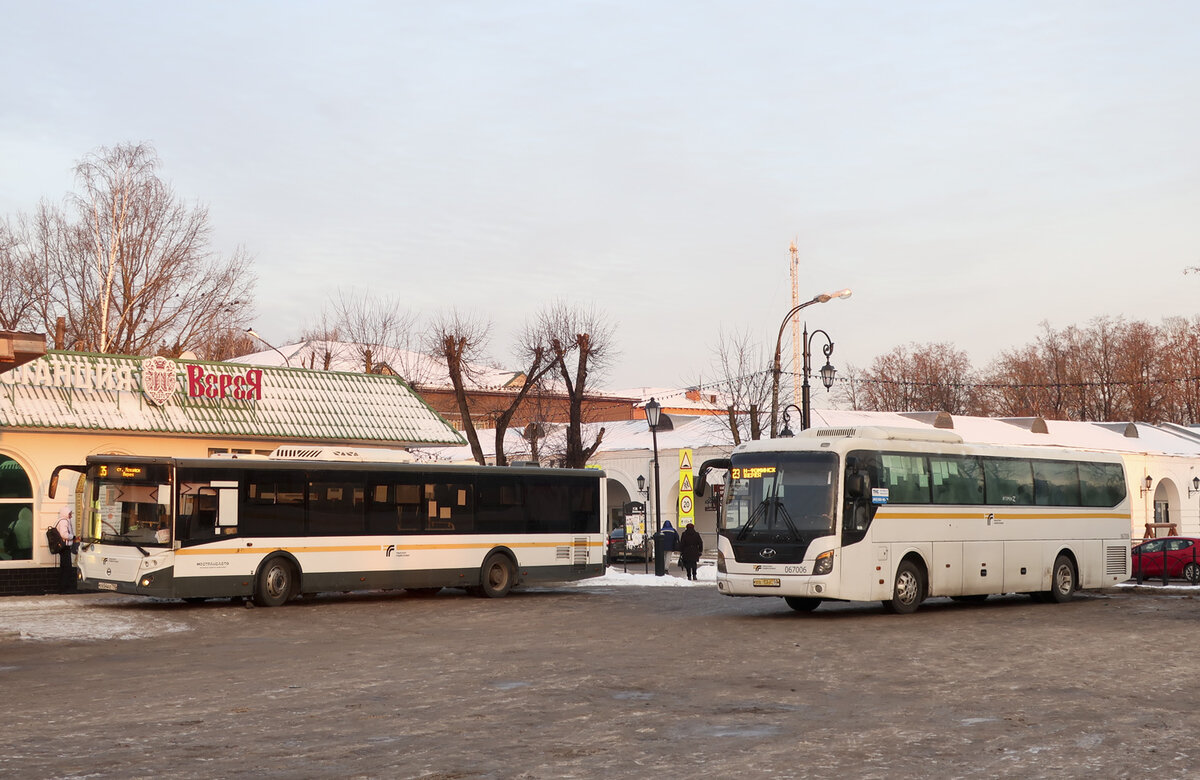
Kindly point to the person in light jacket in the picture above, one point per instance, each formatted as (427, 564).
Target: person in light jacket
(690, 547)
(66, 568)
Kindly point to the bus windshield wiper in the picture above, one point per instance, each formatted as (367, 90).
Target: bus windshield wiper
(787, 518)
(755, 516)
(128, 538)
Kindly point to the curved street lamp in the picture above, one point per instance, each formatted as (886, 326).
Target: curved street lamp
(786, 433)
(827, 374)
(250, 331)
(777, 369)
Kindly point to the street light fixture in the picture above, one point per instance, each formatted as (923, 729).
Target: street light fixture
(786, 433)
(653, 412)
(827, 374)
(778, 369)
(251, 332)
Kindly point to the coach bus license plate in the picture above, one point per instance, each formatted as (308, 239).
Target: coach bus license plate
(766, 582)
(106, 586)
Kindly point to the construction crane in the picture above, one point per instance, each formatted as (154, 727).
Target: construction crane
(797, 347)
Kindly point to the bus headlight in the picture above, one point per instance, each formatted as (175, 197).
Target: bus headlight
(824, 563)
(145, 581)
(721, 562)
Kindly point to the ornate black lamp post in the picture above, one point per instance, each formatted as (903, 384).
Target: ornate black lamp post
(653, 411)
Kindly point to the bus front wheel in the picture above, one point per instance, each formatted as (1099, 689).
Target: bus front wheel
(497, 576)
(909, 590)
(274, 584)
(801, 604)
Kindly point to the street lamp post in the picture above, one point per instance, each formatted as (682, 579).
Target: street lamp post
(251, 332)
(786, 433)
(777, 368)
(653, 410)
(827, 374)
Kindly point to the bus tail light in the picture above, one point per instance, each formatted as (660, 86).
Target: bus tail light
(721, 562)
(824, 563)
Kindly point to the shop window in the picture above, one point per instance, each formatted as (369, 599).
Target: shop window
(16, 512)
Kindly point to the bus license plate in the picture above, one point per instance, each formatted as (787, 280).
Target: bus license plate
(106, 586)
(766, 582)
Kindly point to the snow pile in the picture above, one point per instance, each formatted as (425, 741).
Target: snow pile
(56, 619)
(637, 576)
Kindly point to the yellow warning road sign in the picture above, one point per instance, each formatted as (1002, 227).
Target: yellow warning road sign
(687, 511)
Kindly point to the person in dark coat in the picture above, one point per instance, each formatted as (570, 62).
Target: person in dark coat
(690, 547)
(670, 539)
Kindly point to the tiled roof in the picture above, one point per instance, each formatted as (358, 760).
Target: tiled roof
(69, 390)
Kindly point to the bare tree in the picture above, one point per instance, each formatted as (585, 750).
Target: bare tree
(922, 377)
(739, 363)
(538, 363)
(19, 290)
(129, 266)
(377, 328)
(459, 340)
(581, 346)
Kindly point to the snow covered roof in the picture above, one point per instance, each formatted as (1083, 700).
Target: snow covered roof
(415, 367)
(700, 431)
(80, 391)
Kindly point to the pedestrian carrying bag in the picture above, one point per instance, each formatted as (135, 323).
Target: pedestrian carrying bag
(54, 540)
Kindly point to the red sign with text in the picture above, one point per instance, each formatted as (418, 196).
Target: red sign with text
(206, 384)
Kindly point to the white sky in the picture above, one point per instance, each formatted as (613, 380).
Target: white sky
(969, 169)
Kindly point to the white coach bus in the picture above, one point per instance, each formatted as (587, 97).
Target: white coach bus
(899, 515)
(311, 520)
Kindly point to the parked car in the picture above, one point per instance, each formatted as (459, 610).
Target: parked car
(619, 550)
(1181, 553)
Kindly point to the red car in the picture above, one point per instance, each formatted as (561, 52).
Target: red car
(1181, 553)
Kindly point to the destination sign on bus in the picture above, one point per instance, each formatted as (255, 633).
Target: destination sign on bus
(120, 472)
(752, 472)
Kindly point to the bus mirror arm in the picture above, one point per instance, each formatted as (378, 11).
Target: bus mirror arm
(701, 480)
(54, 477)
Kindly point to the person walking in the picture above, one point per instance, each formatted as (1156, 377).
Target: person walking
(690, 547)
(66, 567)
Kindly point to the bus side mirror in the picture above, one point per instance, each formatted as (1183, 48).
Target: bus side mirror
(858, 485)
(53, 488)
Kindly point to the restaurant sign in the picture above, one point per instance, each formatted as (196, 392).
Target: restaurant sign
(157, 378)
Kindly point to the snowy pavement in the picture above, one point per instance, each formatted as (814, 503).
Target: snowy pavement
(96, 617)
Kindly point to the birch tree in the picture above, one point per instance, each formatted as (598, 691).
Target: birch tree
(130, 266)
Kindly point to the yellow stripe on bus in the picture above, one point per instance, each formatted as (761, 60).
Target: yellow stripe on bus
(371, 548)
(1033, 513)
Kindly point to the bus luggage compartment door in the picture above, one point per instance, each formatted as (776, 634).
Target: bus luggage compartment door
(983, 567)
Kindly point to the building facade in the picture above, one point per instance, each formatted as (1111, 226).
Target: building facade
(60, 408)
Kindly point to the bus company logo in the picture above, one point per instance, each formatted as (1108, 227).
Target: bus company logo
(158, 379)
(767, 552)
(391, 548)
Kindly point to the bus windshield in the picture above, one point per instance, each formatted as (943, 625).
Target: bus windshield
(781, 495)
(132, 505)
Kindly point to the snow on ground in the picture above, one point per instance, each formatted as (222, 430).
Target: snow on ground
(50, 618)
(637, 576)
(95, 618)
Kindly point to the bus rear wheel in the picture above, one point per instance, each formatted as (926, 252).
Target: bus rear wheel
(274, 584)
(497, 576)
(908, 591)
(1062, 580)
(801, 604)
